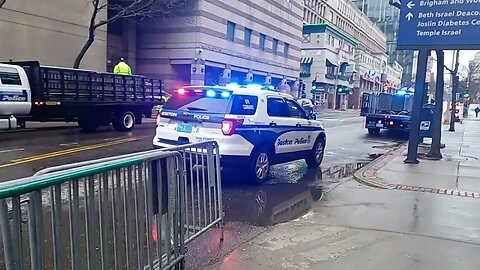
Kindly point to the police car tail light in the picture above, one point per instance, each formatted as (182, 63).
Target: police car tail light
(181, 91)
(229, 125)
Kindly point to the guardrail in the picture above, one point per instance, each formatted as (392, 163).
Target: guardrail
(96, 216)
(124, 212)
(203, 188)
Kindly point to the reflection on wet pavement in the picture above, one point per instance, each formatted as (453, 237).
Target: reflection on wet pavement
(269, 204)
(291, 192)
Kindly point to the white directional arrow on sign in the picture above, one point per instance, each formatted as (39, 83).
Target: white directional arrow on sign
(410, 5)
(409, 16)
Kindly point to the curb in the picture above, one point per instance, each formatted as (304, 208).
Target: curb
(368, 176)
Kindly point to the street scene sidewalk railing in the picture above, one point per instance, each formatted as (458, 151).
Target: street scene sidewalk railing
(128, 212)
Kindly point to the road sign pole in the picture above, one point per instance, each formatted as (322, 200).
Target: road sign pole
(417, 107)
(434, 152)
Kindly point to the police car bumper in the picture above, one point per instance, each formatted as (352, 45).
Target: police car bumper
(233, 146)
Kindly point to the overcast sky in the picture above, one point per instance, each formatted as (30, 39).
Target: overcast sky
(465, 57)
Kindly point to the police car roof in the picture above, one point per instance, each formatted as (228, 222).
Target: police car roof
(242, 90)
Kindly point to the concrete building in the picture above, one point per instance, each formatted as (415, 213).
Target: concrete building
(50, 31)
(371, 70)
(387, 17)
(222, 41)
(327, 64)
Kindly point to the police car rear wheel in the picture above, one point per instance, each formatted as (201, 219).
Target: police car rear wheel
(316, 157)
(260, 166)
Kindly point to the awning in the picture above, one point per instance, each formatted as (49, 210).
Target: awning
(306, 60)
(330, 63)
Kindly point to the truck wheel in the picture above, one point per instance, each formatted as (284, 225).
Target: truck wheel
(87, 124)
(124, 121)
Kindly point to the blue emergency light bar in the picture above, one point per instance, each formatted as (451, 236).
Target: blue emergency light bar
(236, 86)
(211, 93)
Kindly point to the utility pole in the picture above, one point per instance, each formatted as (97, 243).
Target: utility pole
(434, 152)
(417, 108)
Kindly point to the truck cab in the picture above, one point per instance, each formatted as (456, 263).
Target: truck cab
(15, 95)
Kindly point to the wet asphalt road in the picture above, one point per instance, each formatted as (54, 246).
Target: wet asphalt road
(290, 193)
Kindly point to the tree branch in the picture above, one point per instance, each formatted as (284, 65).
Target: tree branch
(122, 9)
(447, 68)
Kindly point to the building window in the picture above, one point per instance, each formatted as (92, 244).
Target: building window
(331, 16)
(331, 70)
(286, 47)
(231, 31)
(261, 42)
(275, 46)
(305, 70)
(247, 37)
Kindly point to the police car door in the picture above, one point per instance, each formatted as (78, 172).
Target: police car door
(291, 125)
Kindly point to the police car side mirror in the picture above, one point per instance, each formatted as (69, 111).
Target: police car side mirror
(312, 116)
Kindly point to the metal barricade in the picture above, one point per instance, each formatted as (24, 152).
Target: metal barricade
(121, 214)
(203, 187)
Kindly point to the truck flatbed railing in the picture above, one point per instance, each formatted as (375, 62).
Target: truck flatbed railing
(55, 84)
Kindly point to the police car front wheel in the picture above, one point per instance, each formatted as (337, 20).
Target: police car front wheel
(315, 158)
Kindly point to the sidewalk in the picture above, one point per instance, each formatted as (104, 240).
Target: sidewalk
(388, 227)
(456, 174)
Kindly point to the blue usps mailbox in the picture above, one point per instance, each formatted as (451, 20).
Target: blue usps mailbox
(439, 24)
(427, 123)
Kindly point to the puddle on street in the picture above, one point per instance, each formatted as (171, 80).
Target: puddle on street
(290, 194)
(345, 170)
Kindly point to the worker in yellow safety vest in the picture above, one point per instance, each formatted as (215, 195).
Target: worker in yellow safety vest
(122, 68)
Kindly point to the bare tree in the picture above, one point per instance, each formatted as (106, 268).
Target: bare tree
(454, 71)
(136, 10)
(470, 79)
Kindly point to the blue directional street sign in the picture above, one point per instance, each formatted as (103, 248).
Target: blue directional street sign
(439, 24)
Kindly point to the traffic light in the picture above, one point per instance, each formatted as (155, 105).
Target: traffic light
(301, 87)
(466, 94)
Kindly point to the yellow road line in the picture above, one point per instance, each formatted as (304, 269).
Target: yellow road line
(70, 151)
(76, 149)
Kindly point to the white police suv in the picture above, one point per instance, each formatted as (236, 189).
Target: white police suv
(254, 128)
